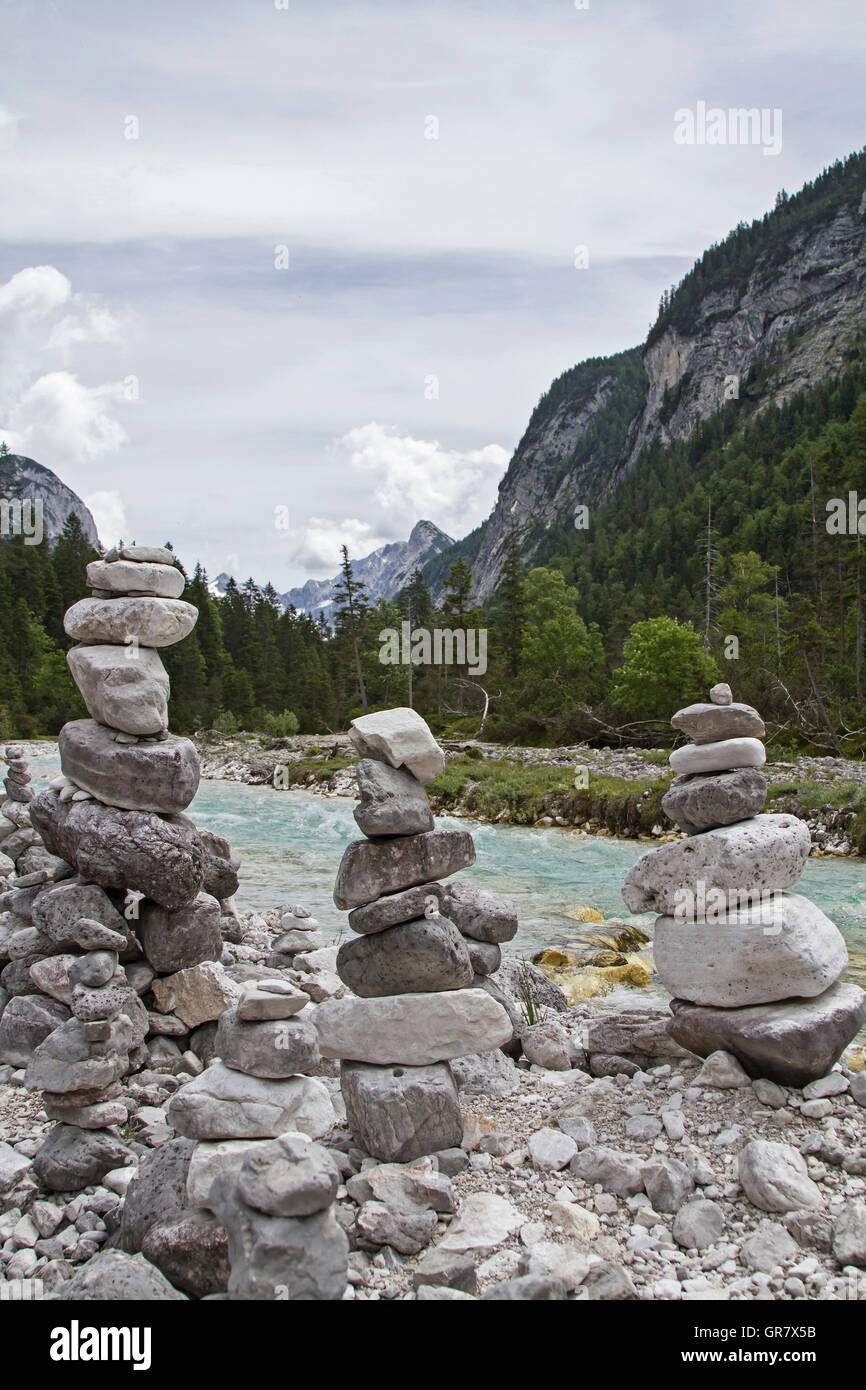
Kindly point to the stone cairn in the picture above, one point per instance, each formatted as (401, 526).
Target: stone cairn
(256, 1169)
(112, 925)
(754, 969)
(418, 967)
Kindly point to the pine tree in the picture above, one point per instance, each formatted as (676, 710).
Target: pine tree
(512, 593)
(350, 600)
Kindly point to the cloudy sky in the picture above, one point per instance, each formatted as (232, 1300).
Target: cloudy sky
(319, 255)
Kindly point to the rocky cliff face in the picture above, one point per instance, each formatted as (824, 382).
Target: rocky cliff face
(25, 478)
(771, 312)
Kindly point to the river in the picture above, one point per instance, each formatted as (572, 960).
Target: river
(291, 844)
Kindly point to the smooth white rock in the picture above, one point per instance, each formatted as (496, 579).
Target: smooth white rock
(784, 949)
(728, 753)
(124, 576)
(766, 852)
(401, 738)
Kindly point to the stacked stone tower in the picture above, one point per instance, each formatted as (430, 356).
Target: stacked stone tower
(754, 969)
(114, 916)
(422, 950)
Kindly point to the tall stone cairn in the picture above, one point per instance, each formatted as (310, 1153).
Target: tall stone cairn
(114, 916)
(754, 969)
(418, 964)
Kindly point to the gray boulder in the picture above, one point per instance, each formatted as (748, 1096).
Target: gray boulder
(398, 1113)
(178, 940)
(159, 856)
(67, 1061)
(191, 1249)
(26, 1022)
(393, 801)
(701, 802)
(58, 909)
(150, 775)
(712, 723)
(280, 1257)
(766, 853)
(72, 1158)
(774, 1177)
(157, 1190)
(782, 949)
(138, 576)
(288, 1176)
(849, 1235)
(370, 868)
(270, 1048)
(792, 1042)
(428, 954)
(155, 622)
(113, 1277)
(124, 687)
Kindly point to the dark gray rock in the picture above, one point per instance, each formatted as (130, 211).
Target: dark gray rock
(67, 1061)
(393, 801)
(113, 1277)
(157, 1190)
(271, 1048)
(370, 868)
(705, 800)
(94, 969)
(485, 956)
(712, 723)
(159, 856)
(280, 1257)
(58, 909)
(444, 1269)
(178, 940)
(792, 1042)
(72, 1158)
(15, 977)
(288, 1176)
(606, 1282)
(150, 775)
(191, 1249)
(480, 913)
(397, 1113)
(26, 1022)
(417, 957)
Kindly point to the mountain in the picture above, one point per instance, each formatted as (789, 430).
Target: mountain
(774, 309)
(25, 478)
(384, 573)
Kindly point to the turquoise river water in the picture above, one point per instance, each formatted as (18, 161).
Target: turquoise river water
(291, 844)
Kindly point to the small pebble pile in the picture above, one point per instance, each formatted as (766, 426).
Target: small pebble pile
(418, 967)
(754, 969)
(112, 944)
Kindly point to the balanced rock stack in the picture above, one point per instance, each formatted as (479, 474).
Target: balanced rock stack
(423, 951)
(256, 1169)
(113, 922)
(754, 969)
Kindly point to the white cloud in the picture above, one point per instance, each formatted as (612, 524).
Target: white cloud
(59, 417)
(318, 545)
(418, 478)
(92, 325)
(109, 514)
(49, 414)
(34, 292)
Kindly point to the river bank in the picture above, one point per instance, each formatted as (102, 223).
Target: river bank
(599, 791)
